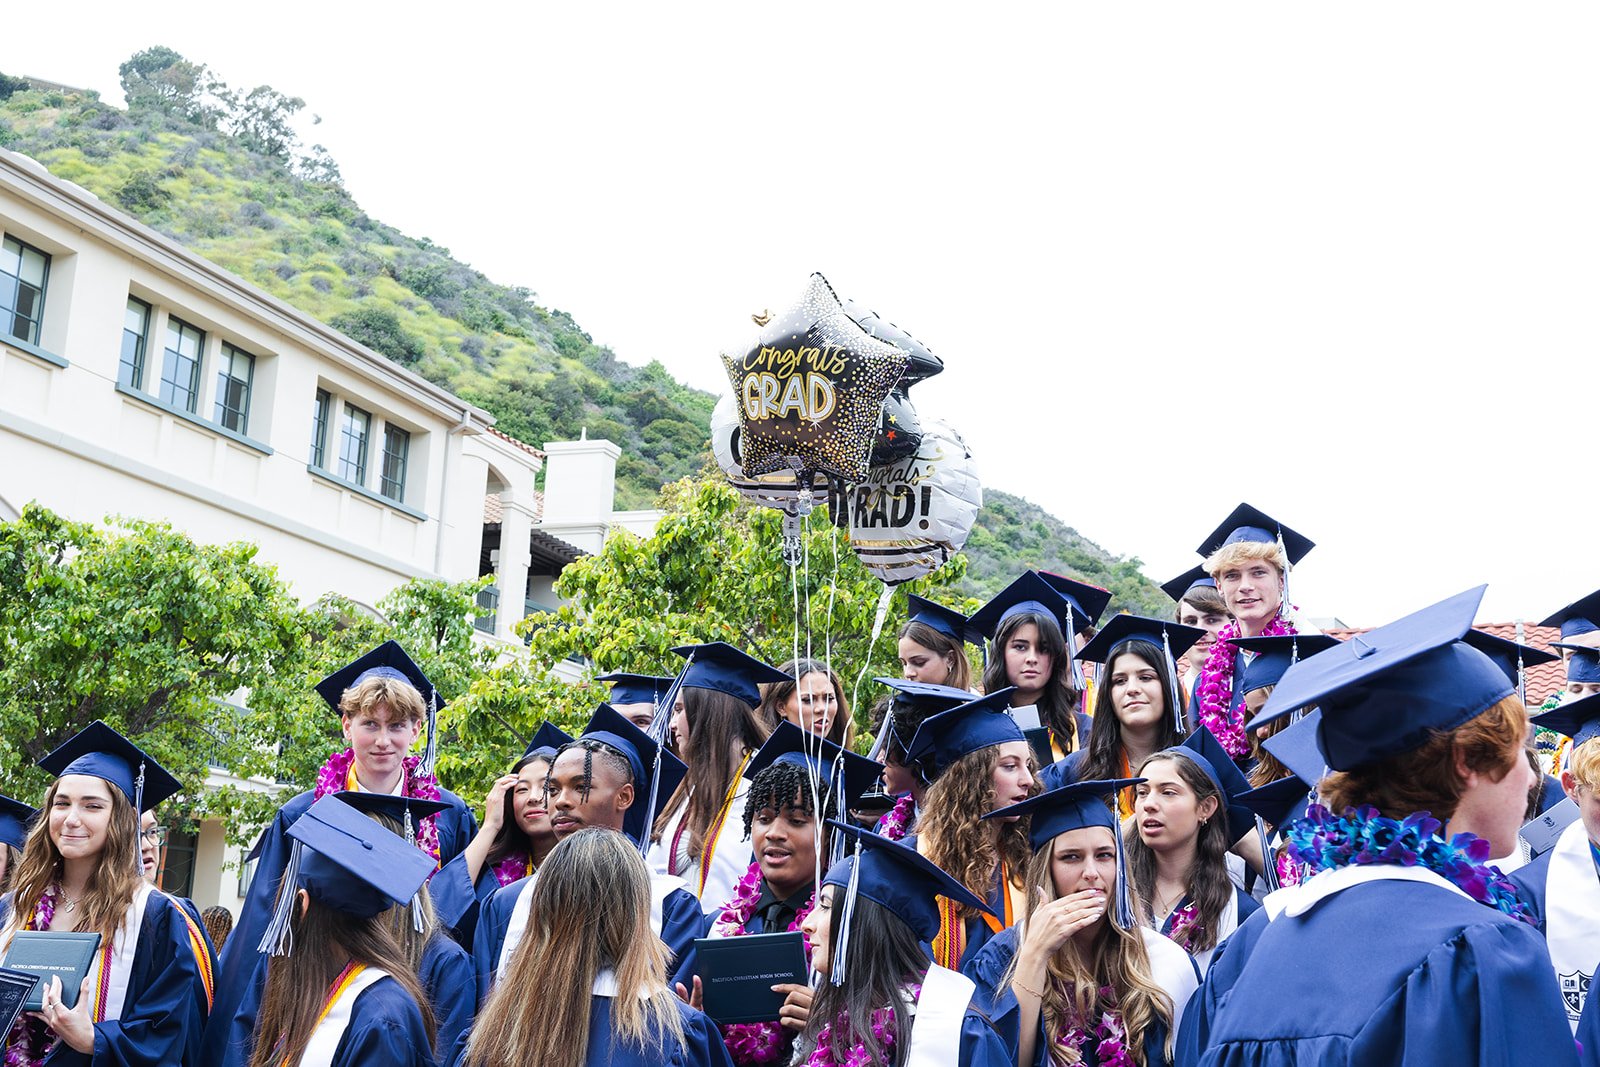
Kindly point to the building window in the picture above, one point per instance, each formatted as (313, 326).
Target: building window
(23, 271)
(180, 368)
(319, 429)
(396, 446)
(235, 369)
(353, 432)
(135, 328)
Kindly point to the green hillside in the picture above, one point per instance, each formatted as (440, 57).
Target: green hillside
(221, 171)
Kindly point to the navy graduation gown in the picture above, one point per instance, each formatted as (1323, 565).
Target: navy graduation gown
(451, 988)
(1244, 906)
(164, 1011)
(1384, 972)
(456, 901)
(1530, 880)
(1589, 1032)
(681, 922)
(385, 1030)
(239, 956)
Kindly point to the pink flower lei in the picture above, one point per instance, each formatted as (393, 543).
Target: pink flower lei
(856, 1056)
(513, 869)
(896, 822)
(1216, 686)
(335, 774)
(755, 1042)
(30, 1040)
(1110, 1036)
(1183, 924)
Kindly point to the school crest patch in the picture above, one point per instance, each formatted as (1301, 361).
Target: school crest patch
(1574, 991)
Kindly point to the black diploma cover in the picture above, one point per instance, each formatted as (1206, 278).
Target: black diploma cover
(67, 955)
(15, 988)
(737, 974)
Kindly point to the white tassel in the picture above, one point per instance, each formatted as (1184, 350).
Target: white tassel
(278, 938)
(850, 893)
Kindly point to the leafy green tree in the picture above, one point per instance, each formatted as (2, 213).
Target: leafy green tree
(159, 78)
(260, 119)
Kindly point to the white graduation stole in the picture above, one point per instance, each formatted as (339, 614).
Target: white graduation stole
(1227, 923)
(941, 1010)
(1572, 917)
(330, 1031)
(660, 886)
(124, 947)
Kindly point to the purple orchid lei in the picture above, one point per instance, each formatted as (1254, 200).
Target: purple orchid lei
(896, 822)
(30, 1040)
(1216, 686)
(764, 1042)
(856, 1055)
(334, 775)
(1324, 841)
(1110, 1036)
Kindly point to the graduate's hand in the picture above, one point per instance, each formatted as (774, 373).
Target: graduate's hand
(796, 1008)
(494, 806)
(72, 1025)
(1053, 922)
(695, 999)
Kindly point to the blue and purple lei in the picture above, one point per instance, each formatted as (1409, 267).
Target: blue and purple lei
(1324, 841)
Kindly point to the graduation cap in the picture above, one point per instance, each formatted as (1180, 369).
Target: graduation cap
(101, 752)
(656, 772)
(547, 741)
(720, 666)
(1275, 655)
(1272, 803)
(1511, 657)
(1172, 638)
(895, 877)
(1251, 524)
(926, 697)
(1074, 605)
(1583, 662)
(947, 621)
(407, 811)
(347, 862)
(15, 817)
(846, 774)
(946, 737)
(1295, 746)
(1387, 691)
(1208, 754)
(1179, 587)
(635, 688)
(1579, 617)
(1578, 719)
(389, 660)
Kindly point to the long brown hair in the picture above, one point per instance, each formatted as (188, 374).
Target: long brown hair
(722, 729)
(1105, 752)
(951, 831)
(117, 874)
(539, 1012)
(324, 941)
(947, 648)
(1209, 885)
(841, 731)
(1059, 702)
(1117, 960)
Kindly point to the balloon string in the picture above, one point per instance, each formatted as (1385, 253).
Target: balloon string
(805, 554)
(877, 629)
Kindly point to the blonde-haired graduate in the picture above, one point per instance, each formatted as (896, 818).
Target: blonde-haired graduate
(145, 998)
(1079, 980)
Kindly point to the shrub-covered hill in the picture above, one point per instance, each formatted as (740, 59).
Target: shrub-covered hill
(221, 171)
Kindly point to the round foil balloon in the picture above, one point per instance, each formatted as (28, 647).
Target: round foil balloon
(778, 490)
(909, 517)
(810, 387)
(899, 430)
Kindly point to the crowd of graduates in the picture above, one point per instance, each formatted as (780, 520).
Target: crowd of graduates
(1205, 839)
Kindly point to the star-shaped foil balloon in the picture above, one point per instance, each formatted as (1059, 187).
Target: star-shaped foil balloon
(810, 388)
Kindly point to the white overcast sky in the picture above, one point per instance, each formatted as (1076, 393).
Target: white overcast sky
(1336, 260)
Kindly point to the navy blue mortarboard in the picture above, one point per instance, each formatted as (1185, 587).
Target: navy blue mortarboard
(101, 752)
(820, 757)
(547, 741)
(1583, 662)
(1511, 657)
(1074, 605)
(352, 864)
(404, 810)
(1578, 617)
(1387, 691)
(1271, 803)
(720, 666)
(1275, 655)
(1071, 807)
(656, 772)
(897, 877)
(636, 688)
(946, 737)
(947, 621)
(1172, 638)
(1578, 719)
(389, 660)
(1208, 754)
(15, 816)
(1251, 524)
(1296, 748)
(926, 697)
(1179, 587)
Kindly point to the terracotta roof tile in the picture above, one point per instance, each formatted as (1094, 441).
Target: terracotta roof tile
(520, 444)
(1542, 680)
(493, 512)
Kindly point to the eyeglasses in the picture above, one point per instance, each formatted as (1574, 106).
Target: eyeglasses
(156, 835)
